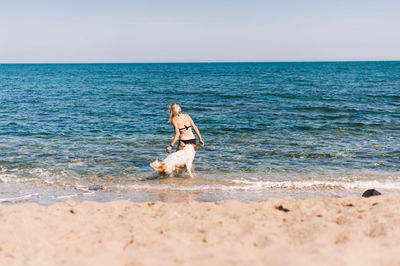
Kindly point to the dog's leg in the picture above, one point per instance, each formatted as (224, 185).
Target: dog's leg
(189, 169)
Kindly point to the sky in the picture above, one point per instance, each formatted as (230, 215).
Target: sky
(87, 31)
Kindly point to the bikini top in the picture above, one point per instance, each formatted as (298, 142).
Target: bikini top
(185, 127)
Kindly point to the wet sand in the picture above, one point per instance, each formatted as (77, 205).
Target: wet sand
(273, 231)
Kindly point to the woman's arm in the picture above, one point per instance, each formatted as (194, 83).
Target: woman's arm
(175, 124)
(197, 132)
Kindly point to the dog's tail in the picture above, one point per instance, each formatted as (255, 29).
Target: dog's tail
(159, 167)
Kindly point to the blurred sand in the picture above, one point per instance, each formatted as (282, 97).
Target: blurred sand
(324, 231)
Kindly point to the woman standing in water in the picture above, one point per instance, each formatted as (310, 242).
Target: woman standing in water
(183, 125)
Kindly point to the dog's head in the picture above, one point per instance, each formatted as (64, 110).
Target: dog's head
(159, 167)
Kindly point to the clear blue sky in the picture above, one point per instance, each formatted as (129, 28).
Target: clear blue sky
(198, 31)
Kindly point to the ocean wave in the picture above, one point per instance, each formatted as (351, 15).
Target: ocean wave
(237, 185)
(18, 199)
(323, 184)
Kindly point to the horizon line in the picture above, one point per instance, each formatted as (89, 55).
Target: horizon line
(200, 62)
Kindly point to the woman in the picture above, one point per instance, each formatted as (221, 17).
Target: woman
(183, 125)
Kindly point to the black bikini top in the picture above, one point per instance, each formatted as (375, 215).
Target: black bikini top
(185, 127)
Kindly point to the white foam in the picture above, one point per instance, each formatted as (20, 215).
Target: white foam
(67, 196)
(265, 185)
(358, 184)
(14, 199)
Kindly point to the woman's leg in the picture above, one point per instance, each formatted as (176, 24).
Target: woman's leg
(180, 146)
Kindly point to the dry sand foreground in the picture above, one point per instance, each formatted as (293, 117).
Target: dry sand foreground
(328, 231)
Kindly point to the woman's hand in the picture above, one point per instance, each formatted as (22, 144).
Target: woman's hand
(169, 148)
(201, 143)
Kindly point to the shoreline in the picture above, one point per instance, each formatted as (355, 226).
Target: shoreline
(276, 231)
(180, 190)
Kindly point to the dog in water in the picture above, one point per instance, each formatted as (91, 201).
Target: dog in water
(180, 159)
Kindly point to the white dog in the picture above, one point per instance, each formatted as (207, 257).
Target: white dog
(179, 159)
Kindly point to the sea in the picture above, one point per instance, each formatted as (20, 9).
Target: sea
(304, 129)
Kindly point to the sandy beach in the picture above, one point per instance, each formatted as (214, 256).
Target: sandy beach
(284, 231)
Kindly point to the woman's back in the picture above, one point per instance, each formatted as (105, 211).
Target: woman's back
(184, 123)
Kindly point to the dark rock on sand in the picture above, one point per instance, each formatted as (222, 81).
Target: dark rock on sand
(370, 193)
(281, 208)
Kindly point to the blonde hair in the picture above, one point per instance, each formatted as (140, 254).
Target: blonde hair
(174, 110)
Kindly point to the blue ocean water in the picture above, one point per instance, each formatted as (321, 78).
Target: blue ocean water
(312, 126)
